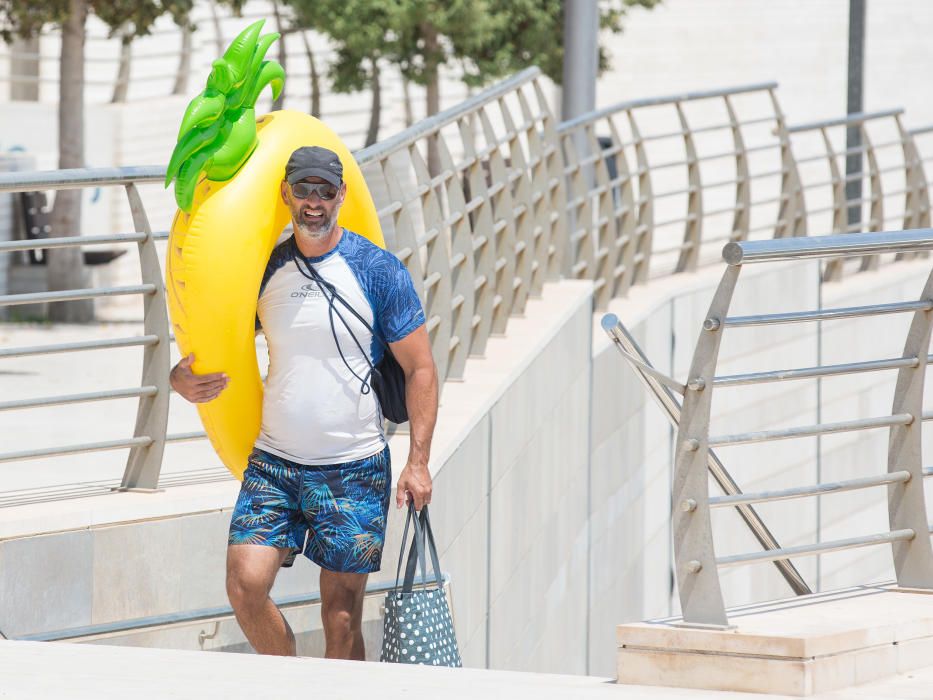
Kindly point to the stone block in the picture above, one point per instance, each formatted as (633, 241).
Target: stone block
(803, 646)
(46, 583)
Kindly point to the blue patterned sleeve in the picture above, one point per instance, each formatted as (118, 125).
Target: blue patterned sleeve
(388, 286)
(397, 303)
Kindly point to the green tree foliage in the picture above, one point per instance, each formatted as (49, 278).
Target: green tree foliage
(523, 33)
(27, 18)
(362, 33)
(489, 39)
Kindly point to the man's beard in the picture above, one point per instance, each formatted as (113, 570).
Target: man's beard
(316, 231)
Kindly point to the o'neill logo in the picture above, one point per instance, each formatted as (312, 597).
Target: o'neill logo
(308, 290)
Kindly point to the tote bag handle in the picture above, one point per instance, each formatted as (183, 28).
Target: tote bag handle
(424, 536)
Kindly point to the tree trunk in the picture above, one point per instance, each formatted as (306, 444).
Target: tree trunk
(406, 99)
(24, 69)
(65, 269)
(122, 85)
(283, 55)
(375, 114)
(184, 63)
(433, 103)
(315, 78)
(218, 30)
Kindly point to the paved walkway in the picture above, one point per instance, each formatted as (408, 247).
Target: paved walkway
(38, 670)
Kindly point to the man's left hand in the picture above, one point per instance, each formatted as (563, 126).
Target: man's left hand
(414, 482)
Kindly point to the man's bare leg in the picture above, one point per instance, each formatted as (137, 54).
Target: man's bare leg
(342, 614)
(251, 570)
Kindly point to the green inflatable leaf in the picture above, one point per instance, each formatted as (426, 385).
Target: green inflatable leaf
(218, 132)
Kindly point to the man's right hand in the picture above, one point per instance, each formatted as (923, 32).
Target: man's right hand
(196, 388)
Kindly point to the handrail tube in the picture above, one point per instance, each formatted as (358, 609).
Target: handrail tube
(781, 375)
(660, 100)
(837, 245)
(811, 430)
(827, 314)
(806, 491)
(648, 369)
(62, 400)
(79, 178)
(201, 615)
(848, 120)
(74, 294)
(79, 346)
(185, 437)
(70, 241)
(101, 446)
(373, 153)
(821, 548)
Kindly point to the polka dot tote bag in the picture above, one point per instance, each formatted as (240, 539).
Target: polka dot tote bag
(418, 626)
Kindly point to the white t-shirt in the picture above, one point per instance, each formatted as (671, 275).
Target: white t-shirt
(314, 410)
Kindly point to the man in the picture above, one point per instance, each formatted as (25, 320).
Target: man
(320, 467)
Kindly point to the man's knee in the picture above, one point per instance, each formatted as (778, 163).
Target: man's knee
(249, 578)
(338, 619)
(244, 590)
(341, 598)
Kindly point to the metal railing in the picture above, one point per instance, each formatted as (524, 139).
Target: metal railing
(488, 201)
(373, 591)
(472, 201)
(619, 237)
(782, 182)
(144, 462)
(696, 563)
(893, 186)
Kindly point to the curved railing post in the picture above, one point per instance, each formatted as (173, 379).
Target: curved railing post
(792, 212)
(482, 243)
(144, 463)
(913, 559)
(503, 231)
(623, 213)
(694, 556)
(644, 226)
(693, 228)
(522, 212)
(916, 195)
(462, 272)
(554, 202)
(606, 257)
(875, 197)
(833, 269)
(580, 259)
(743, 191)
(538, 181)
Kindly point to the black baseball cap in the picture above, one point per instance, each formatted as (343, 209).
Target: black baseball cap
(314, 161)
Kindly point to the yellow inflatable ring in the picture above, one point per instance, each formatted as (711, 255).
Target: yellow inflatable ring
(216, 258)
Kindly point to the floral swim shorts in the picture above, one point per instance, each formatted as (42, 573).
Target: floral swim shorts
(335, 514)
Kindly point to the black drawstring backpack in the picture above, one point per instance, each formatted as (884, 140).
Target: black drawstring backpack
(386, 378)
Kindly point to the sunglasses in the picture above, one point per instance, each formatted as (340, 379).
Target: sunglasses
(324, 190)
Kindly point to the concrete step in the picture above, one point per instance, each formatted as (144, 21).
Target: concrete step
(38, 670)
(799, 646)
